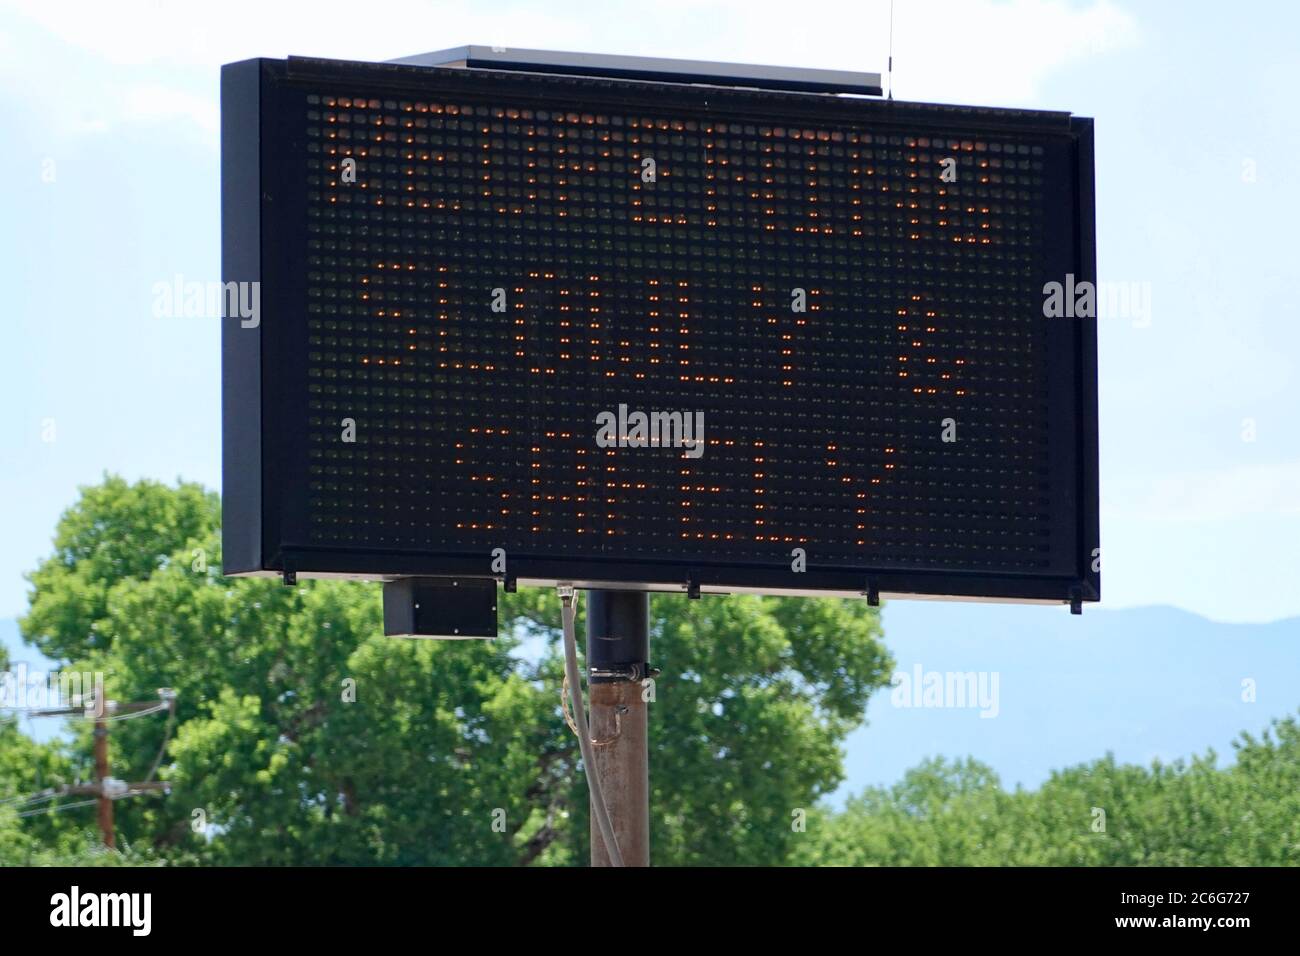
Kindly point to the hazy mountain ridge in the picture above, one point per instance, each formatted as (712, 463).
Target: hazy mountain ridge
(1143, 683)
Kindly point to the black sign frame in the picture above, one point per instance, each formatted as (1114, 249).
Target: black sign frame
(257, 215)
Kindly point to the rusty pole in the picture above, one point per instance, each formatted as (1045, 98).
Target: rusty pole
(618, 648)
(102, 772)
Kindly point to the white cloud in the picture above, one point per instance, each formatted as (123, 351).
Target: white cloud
(1007, 49)
(957, 51)
(207, 34)
(149, 56)
(158, 104)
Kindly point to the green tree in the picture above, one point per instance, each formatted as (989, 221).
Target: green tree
(115, 532)
(1188, 813)
(303, 735)
(29, 769)
(746, 731)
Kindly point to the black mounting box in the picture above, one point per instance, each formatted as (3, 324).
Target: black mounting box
(451, 608)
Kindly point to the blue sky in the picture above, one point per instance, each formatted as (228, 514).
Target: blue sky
(109, 119)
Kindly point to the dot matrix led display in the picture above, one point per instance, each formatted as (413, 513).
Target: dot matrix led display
(463, 270)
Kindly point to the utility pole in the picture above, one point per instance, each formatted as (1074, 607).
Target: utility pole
(618, 649)
(103, 708)
(106, 788)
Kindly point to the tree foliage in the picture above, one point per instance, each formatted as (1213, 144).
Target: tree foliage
(305, 736)
(1188, 813)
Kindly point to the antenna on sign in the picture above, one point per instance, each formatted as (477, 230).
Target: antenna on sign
(891, 49)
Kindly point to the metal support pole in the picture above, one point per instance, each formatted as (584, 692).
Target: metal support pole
(618, 651)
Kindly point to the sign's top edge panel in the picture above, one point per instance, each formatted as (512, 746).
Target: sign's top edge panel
(399, 76)
(662, 69)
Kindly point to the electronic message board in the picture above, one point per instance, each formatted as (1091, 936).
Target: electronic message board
(599, 331)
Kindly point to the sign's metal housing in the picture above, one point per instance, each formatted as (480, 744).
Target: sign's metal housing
(262, 495)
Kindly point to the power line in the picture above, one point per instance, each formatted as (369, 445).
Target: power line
(66, 806)
(128, 711)
(106, 789)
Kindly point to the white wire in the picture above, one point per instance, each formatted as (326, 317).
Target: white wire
(31, 800)
(129, 715)
(65, 806)
(82, 803)
(584, 735)
(132, 715)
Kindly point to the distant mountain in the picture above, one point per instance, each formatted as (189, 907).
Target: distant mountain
(1142, 683)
